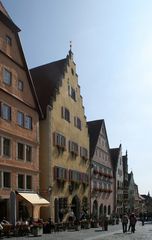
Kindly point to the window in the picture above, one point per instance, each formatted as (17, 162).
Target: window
(6, 147)
(60, 173)
(24, 121)
(73, 148)
(28, 122)
(20, 85)
(8, 40)
(59, 140)
(24, 152)
(84, 153)
(5, 112)
(20, 152)
(77, 123)
(7, 77)
(28, 182)
(28, 153)
(65, 114)
(20, 119)
(72, 92)
(72, 71)
(20, 181)
(6, 180)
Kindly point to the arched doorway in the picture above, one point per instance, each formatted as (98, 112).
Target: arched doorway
(95, 210)
(76, 207)
(105, 210)
(56, 210)
(84, 208)
(109, 209)
(101, 211)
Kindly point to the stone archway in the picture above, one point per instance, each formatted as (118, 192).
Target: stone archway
(76, 206)
(95, 210)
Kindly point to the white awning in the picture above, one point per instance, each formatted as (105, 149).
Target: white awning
(34, 198)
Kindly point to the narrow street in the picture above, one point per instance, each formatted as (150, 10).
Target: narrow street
(113, 233)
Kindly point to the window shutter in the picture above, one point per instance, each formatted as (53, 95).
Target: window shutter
(62, 112)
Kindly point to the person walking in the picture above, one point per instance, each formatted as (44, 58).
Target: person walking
(124, 221)
(133, 221)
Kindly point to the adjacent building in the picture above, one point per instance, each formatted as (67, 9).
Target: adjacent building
(125, 182)
(64, 146)
(101, 177)
(131, 193)
(19, 121)
(116, 157)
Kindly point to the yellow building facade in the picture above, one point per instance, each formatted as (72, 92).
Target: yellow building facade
(64, 144)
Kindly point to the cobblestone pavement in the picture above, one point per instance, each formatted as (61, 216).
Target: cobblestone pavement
(113, 233)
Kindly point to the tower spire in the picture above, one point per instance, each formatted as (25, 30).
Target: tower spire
(70, 51)
(70, 45)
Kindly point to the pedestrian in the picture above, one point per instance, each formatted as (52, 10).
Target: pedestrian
(124, 221)
(133, 221)
(142, 220)
(105, 223)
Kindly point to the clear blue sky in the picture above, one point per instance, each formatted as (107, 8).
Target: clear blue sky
(112, 45)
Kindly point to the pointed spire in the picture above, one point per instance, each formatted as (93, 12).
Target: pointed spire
(70, 51)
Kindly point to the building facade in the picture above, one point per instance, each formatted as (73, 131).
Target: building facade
(125, 182)
(64, 148)
(116, 156)
(131, 192)
(101, 188)
(19, 120)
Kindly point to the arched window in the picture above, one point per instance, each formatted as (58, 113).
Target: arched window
(105, 210)
(109, 210)
(101, 211)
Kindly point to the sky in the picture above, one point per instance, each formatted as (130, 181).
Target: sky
(112, 46)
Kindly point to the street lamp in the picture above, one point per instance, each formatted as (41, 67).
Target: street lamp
(50, 191)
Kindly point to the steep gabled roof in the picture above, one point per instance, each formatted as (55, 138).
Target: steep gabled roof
(3, 10)
(5, 18)
(94, 128)
(114, 152)
(46, 79)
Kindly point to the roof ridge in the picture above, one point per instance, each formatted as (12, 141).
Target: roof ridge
(3, 10)
(47, 64)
